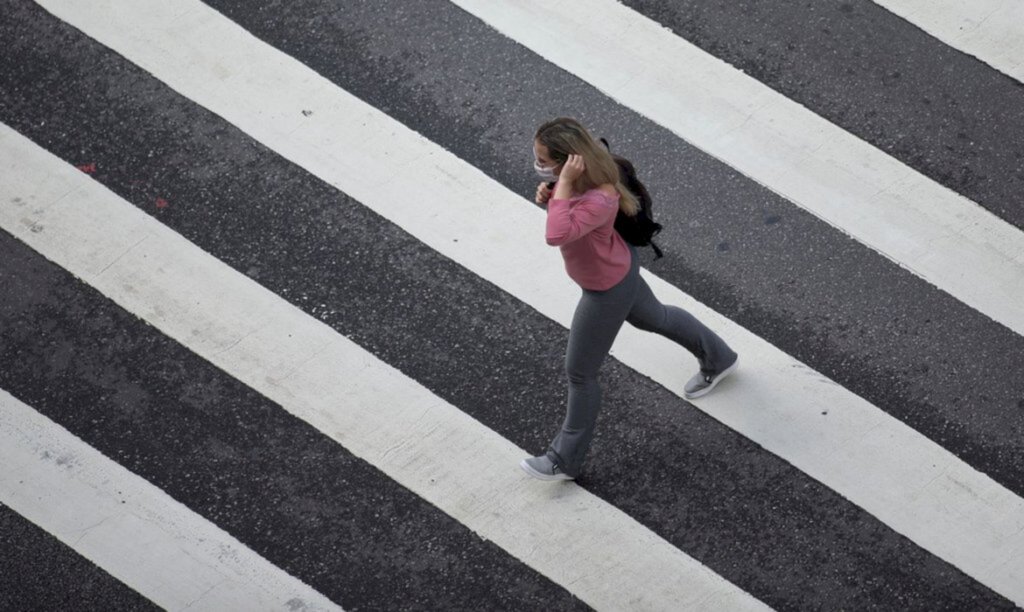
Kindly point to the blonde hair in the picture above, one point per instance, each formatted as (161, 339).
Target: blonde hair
(564, 136)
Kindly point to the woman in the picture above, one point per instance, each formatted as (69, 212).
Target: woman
(581, 215)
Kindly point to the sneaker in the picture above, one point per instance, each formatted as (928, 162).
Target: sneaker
(543, 468)
(702, 384)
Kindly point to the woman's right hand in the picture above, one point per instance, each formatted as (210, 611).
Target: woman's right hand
(543, 194)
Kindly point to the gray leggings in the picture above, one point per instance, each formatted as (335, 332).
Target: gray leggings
(597, 320)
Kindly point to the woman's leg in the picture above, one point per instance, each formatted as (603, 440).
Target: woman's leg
(648, 314)
(598, 318)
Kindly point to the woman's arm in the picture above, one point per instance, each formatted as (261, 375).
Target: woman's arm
(572, 169)
(568, 223)
(543, 195)
(565, 223)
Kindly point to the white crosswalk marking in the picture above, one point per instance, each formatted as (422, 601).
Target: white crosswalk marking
(422, 442)
(129, 527)
(596, 551)
(921, 225)
(909, 482)
(991, 30)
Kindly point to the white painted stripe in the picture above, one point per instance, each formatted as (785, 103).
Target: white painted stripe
(887, 468)
(991, 30)
(375, 411)
(128, 527)
(932, 231)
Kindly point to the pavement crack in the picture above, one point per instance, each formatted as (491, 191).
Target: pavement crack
(204, 593)
(86, 530)
(393, 448)
(987, 17)
(944, 471)
(316, 353)
(234, 344)
(119, 257)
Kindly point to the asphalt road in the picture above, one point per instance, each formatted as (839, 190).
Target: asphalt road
(337, 523)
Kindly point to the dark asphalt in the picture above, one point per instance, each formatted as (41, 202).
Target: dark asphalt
(293, 495)
(912, 350)
(750, 516)
(274, 483)
(942, 112)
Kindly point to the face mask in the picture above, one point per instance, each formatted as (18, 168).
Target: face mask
(545, 173)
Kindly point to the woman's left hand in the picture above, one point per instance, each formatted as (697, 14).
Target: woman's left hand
(572, 169)
(543, 194)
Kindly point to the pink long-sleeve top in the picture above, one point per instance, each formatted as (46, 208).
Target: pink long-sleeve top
(583, 228)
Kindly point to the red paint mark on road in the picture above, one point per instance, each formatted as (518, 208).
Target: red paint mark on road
(87, 168)
(161, 203)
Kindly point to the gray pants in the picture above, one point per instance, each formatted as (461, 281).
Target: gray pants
(597, 320)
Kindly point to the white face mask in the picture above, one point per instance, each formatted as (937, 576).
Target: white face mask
(545, 173)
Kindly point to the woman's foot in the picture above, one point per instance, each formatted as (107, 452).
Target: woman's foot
(543, 468)
(702, 384)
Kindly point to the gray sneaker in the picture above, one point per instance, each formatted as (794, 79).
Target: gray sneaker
(702, 385)
(543, 468)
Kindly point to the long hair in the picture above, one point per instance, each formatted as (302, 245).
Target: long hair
(564, 136)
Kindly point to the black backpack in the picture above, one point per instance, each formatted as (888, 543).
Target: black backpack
(641, 229)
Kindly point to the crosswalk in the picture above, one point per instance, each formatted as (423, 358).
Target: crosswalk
(209, 568)
(425, 445)
(989, 30)
(776, 142)
(293, 240)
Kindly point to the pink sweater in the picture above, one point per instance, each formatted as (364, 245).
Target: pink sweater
(583, 227)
